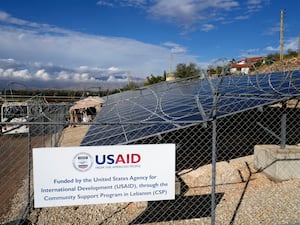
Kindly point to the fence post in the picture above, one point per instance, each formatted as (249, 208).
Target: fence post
(216, 95)
(214, 157)
(213, 177)
(283, 126)
(29, 167)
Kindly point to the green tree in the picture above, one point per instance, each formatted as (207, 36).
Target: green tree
(130, 86)
(273, 57)
(165, 75)
(291, 53)
(183, 70)
(154, 79)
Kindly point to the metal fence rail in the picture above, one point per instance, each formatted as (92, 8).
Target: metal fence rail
(216, 180)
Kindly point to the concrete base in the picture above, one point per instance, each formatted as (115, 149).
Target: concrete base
(278, 164)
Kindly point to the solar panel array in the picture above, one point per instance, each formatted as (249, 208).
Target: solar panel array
(163, 107)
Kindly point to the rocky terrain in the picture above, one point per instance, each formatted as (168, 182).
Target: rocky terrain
(278, 66)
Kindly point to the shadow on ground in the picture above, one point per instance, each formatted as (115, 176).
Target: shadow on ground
(182, 208)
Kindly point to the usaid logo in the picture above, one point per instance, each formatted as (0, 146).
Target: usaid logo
(118, 159)
(82, 161)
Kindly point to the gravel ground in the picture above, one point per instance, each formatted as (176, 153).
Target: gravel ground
(247, 198)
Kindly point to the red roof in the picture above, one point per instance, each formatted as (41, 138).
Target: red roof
(247, 62)
(237, 65)
(254, 59)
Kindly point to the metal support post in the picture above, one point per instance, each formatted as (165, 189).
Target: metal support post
(29, 167)
(214, 158)
(283, 126)
(213, 179)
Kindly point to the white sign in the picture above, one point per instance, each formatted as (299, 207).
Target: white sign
(103, 174)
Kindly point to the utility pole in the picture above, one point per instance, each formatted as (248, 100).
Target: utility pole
(170, 75)
(299, 46)
(128, 78)
(282, 14)
(171, 63)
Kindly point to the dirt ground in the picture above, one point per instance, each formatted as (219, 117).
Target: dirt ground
(72, 136)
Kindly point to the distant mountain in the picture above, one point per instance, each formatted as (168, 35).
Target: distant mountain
(36, 76)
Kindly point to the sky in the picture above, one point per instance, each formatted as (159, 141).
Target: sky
(96, 43)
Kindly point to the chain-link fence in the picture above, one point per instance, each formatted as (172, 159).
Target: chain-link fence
(31, 124)
(217, 180)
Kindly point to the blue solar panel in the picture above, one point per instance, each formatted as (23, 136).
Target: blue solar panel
(134, 115)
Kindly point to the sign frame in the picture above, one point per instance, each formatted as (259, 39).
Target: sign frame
(66, 176)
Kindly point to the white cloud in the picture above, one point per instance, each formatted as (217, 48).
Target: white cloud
(254, 2)
(272, 30)
(175, 48)
(82, 77)
(74, 76)
(5, 17)
(254, 5)
(178, 50)
(105, 3)
(290, 44)
(83, 68)
(190, 12)
(243, 17)
(50, 76)
(23, 74)
(42, 74)
(12, 73)
(113, 69)
(55, 46)
(207, 27)
(185, 14)
(114, 79)
(8, 61)
(272, 49)
(253, 50)
(7, 72)
(63, 75)
(123, 3)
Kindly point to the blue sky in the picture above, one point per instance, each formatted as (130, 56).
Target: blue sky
(94, 42)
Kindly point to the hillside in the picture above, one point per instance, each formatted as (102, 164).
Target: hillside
(279, 66)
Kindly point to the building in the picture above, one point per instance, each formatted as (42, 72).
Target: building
(244, 66)
(86, 109)
(170, 76)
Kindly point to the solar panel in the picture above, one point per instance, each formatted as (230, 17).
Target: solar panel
(163, 107)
